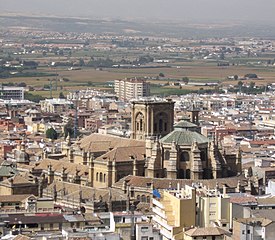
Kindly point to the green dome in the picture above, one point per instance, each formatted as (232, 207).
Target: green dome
(185, 124)
(184, 137)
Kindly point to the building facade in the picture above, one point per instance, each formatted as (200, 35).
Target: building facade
(14, 93)
(152, 117)
(131, 88)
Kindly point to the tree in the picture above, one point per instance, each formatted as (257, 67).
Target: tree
(61, 95)
(252, 85)
(222, 56)
(185, 80)
(161, 75)
(81, 62)
(251, 75)
(240, 84)
(236, 77)
(51, 134)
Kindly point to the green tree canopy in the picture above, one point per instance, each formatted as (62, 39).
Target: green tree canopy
(51, 134)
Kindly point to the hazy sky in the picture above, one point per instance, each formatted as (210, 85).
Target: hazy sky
(199, 10)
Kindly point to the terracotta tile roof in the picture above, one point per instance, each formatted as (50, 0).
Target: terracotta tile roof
(72, 191)
(14, 198)
(263, 142)
(16, 180)
(57, 166)
(266, 201)
(207, 231)
(264, 213)
(243, 199)
(99, 142)
(121, 154)
(165, 183)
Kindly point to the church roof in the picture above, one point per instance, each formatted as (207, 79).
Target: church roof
(184, 137)
(102, 143)
(72, 191)
(57, 166)
(185, 124)
(121, 154)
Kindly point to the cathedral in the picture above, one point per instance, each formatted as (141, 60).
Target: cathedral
(180, 151)
(157, 149)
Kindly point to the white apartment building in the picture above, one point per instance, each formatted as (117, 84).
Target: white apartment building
(11, 93)
(131, 88)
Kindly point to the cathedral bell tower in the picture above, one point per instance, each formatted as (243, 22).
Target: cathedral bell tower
(151, 117)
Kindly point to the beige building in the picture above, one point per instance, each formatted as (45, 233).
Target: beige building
(131, 88)
(175, 210)
(214, 209)
(55, 105)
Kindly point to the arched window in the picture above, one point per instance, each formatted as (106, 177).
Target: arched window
(100, 177)
(97, 176)
(160, 125)
(148, 199)
(184, 157)
(104, 178)
(139, 121)
(161, 122)
(138, 198)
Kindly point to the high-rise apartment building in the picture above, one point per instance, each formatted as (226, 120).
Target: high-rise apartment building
(131, 88)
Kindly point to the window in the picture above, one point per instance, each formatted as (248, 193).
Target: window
(166, 155)
(160, 125)
(212, 213)
(144, 238)
(97, 177)
(243, 231)
(248, 231)
(184, 157)
(104, 178)
(203, 155)
(100, 177)
(144, 229)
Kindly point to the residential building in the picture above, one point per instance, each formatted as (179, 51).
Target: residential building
(174, 210)
(146, 231)
(131, 88)
(55, 105)
(12, 93)
(214, 210)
